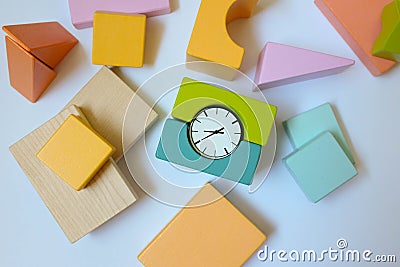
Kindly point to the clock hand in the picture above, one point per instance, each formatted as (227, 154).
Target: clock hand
(207, 131)
(213, 133)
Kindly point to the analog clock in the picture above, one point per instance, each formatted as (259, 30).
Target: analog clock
(215, 132)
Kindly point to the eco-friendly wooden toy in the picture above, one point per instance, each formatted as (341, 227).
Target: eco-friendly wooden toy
(104, 100)
(175, 146)
(304, 127)
(82, 11)
(47, 41)
(214, 234)
(281, 64)
(77, 212)
(28, 75)
(75, 152)
(257, 116)
(118, 39)
(387, 45)
(213, 43)
(216, 131)
(359, 24)
(320, 166)
(33, 51)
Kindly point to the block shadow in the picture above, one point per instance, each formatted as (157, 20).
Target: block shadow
(247, 209)
(154, 35)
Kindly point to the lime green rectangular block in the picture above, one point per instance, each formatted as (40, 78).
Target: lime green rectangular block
(387, 45)
(257, 116)
(320, 166)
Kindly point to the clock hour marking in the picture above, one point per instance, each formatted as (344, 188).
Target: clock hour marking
(227, 114)
(234, 144)
(197, 120)
(238, 133)
(216, 111)
(226, 150)
(204, 149)
(235, 122)
(205, 113)
(197, 142)
(194, 131)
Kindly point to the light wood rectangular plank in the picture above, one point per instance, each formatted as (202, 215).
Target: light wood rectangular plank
(77, 212)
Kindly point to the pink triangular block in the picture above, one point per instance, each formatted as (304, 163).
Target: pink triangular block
(281, 64)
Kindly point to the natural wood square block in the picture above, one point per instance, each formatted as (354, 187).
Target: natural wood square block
(104, 101)
(77, 212)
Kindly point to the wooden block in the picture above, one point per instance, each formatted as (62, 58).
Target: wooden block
(281, 64)
(215, 234)
(174, 146)
(257, 116)
(48, 41)
(82, 11)
(104, 100)
(118, 39)
(304, 127)
(28, 75)
(75, 152)
(359, 24)
(320, 166)
(77, 212)
(213, 43)
(387, 45)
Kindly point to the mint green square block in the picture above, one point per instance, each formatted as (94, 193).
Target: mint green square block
(320, 166)
(306, 126)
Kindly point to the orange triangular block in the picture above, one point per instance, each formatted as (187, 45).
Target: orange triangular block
(28, 75)
(48, 41)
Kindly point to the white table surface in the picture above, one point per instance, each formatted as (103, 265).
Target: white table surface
(364, 211)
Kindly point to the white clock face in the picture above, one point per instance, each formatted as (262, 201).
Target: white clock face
(215, 132)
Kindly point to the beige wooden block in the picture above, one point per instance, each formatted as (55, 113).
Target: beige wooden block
(77, 212)
(104, 100)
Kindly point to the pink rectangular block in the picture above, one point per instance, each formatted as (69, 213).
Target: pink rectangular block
(82, 11)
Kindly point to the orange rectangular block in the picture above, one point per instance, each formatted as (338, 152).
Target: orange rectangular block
(359, 23)
(213, 234)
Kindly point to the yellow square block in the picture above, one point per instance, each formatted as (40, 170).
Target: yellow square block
(75, 152)
(118, 39)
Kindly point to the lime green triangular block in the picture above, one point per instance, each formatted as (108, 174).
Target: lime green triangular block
(387, 45)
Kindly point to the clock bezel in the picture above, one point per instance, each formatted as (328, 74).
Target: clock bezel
(191, 141)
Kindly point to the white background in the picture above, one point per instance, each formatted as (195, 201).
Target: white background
(364, 211)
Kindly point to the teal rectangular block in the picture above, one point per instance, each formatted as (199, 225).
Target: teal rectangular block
(320, 166)
(174, 146)
(306, 126)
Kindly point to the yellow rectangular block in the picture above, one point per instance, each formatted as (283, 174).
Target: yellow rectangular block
(77, 212)
(75, 152)
(214, 234)
(210, 39)
(118, 39)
